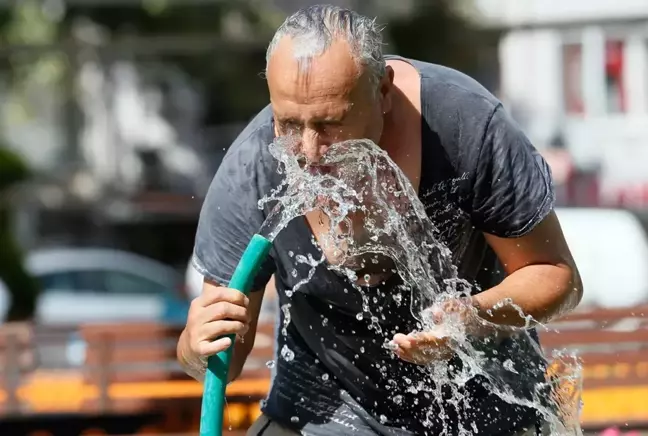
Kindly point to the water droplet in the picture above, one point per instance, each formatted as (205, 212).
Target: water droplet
(287, 354)
(396, 224)
(294, 419)
(325, 377)
(508, 365)
(391, 345)
(270, 364)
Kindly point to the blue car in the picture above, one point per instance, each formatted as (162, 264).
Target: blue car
(98, 285)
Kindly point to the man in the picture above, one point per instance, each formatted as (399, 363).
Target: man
(482, 183)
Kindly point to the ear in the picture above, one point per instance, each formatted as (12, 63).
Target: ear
(385, 90)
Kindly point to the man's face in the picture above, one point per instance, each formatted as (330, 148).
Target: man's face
(326, 102)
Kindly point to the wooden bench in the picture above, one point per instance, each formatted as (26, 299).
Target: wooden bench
(612, 343)
(128, 353)
(17, 357)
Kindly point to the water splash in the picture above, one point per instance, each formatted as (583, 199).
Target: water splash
(375, 222)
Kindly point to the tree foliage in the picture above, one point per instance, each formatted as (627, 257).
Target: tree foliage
(22, 288)
(440, 32)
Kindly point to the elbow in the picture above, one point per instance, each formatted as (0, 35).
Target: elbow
(573, 290)
(578, 289)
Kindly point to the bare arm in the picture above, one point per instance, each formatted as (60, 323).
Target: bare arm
(243, 348)
(542, 278)
(194, 363)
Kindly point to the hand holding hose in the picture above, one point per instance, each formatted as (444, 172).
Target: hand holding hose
(214, 316)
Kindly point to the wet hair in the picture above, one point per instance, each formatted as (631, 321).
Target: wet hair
(314, 28)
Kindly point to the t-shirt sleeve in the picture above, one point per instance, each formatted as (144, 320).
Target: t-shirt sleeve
(512, 190)
(230, 214)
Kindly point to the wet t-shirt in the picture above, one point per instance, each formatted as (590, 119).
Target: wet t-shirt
(333, 374)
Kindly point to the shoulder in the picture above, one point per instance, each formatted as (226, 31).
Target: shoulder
(248, 160)
(230, 213)
(252, 142)
(248, 171)
(457, 112)
(449, 95)
(439, 79)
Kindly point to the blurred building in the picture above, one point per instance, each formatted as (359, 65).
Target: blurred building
(575, 73)
(125, 113)
(117, 126)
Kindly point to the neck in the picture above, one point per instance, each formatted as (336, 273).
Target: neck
(401, 137)
(393, 122)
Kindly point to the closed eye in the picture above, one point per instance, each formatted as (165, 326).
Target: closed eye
(323, 125)
(290, 125)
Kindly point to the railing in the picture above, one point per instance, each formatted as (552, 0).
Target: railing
(116, 370)
(613, 346)
(131, 369)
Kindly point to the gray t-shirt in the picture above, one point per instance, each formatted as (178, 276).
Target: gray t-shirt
(479, 174)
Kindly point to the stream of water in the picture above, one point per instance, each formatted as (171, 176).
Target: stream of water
(373, 217)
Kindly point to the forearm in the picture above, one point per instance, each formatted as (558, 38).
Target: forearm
(193, 365)
(239, 357)
(541, 292)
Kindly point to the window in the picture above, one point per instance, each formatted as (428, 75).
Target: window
(572, 78)
(614, 84)
(118, 282)
(89, 281)
(61, 281)
(101, 281)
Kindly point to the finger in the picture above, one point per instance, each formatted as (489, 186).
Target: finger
(213, 330)
(423, 340)
(403, 355)
(415, 340)
(224, 311)
(210, 348)
(214, 295)
(417, 345)
(434, 313)
(403, 342)
(413, 355)
(406, 357)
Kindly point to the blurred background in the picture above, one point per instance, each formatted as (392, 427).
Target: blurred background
(115, 114)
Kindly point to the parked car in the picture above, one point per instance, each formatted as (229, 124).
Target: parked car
(84, 285)
(610, 248)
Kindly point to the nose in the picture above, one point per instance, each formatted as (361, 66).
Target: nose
(313, 146)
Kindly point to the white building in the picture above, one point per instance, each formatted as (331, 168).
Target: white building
(579, 68)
